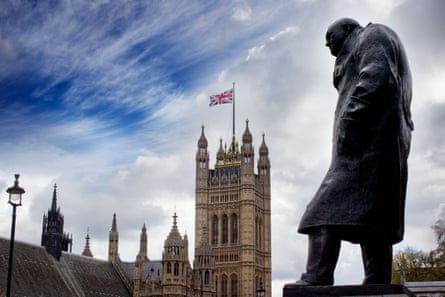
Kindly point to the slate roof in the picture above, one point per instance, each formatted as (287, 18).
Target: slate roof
(151, 270)
(36, 273)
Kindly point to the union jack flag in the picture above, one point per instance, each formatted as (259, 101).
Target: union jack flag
(223, 98)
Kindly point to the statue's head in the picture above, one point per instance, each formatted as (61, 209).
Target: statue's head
(338, 32)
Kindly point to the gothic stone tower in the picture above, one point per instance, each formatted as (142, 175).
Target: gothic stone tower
(234, 203)
(176, 269)
(53, 238)
(113, 242)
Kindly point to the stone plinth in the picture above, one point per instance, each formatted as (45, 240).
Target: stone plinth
(293, 290)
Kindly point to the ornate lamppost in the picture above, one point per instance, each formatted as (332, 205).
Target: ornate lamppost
(260, 292)
(15, 199)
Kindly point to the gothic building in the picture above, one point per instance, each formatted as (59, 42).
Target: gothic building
(53, 238)
(234, 203)
(170, 276)
(232, 234)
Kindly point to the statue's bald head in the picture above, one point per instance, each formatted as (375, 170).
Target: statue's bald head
(337, 33)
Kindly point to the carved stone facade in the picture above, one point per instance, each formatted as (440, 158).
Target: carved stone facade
(233, 202)
(232, 232)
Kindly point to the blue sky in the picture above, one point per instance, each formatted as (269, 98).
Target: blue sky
(107, 99)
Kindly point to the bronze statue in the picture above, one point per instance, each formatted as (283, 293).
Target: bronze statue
(362, 197)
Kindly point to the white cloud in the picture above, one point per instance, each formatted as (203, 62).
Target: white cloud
(242, 11)
(283, 86)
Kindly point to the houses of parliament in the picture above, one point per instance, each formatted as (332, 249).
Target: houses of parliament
(232, 256)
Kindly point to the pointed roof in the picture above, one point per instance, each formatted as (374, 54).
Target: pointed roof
(114, 224)
(220, 153)
(247, 136)
(264, 150)
(174, 238)
(202, 142)
(54, 201)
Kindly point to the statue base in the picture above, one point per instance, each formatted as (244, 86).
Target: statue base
(294, 290)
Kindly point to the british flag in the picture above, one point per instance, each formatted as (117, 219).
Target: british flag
(223, 98)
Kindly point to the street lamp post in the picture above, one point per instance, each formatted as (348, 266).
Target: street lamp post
(15, 199)
(260, 292)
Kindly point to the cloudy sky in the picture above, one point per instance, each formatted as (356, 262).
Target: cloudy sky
(107, 98)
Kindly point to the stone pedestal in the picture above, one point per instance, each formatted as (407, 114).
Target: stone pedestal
(292, 290)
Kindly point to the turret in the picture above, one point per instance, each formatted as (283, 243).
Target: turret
(202, 156)
(53, 238)
(263, 162)
(247, 154)
(201, 178)
(175, 261)
(140, 259)
(142, 256)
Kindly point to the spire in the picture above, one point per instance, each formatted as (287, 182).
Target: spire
(113, 241)
(174, 238)
(54, 202)
(143, 244)
(263, 162)
(202, 142)
(264, 150)
(87, 251)
(175, 224)
(113, 224)
(247, 150)
(220, 153)
(247, 136)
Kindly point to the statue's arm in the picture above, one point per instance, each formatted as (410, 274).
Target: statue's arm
(375, 55)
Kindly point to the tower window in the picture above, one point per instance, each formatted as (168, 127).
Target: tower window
(224, 286)
(176, 269)
(225, 234)
(234, 228)
(215, 230)
(206, 277)
(234, 285)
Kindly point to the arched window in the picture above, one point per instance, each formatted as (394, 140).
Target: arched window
(225, 231)
(234, 285)
(224, 286)
(176, 269)
(234, 228)
(215, 230)
(206, 277)
(169, 267)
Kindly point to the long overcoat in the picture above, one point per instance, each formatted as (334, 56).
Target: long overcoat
(364, 189)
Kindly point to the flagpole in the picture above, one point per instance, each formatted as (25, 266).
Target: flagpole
(233, 115)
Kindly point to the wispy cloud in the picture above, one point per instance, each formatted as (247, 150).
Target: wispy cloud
(106, 99)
